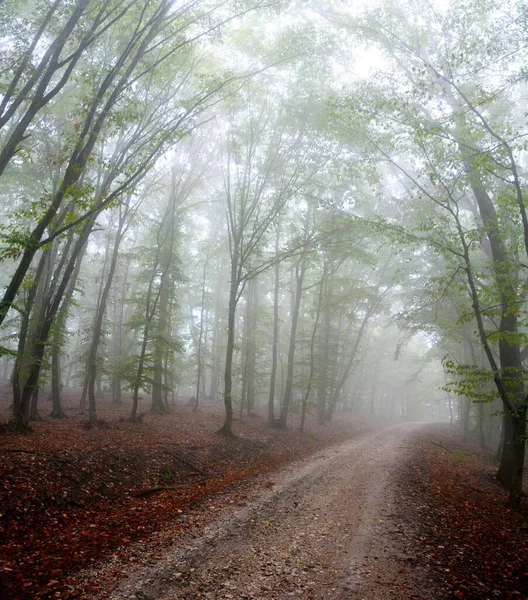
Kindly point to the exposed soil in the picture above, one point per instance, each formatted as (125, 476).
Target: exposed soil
(325, 528)
(167, 510)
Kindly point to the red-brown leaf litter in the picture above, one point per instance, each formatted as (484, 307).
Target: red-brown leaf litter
(475, 542)
(71, 494)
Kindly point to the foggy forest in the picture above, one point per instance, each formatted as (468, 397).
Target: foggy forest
(248, 230)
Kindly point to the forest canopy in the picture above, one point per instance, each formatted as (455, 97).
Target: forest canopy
(305, 206)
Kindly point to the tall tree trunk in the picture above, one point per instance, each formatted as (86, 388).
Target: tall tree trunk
(20, 413)
(118, 341)
(200, 335)
(56, 345)
(227, 427)
(91, 363)
(275, 341)
(163, 304)
(352, 359)
(251, 361)
(323, 368)
(53, 307)
(508, 378)
(57, 411)
(312, 349)
(299, 280)
(150, 309)
(160, 345)
(374, 390)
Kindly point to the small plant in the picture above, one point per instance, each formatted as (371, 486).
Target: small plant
(166, 473)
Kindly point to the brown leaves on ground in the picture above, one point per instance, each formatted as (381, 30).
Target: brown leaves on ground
(72, 495)
(477, 544)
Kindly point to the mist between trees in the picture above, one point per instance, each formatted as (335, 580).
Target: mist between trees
(308, 207)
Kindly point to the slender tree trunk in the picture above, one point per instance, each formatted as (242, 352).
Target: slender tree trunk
(56, 345)
(275, 341)
(217, 341)
(312, 349)
(41, 339)
(243, 391)
(88, 366)
(91, 362)
(299, 280)
(57, 411)
(118, 344)
(323, 368)
(149, 313)
(163, 303)
(251, 360)
(350, 363)
(227, 427)
(450, 404)
(374, 390)
(160, 345)
(200, 336)
(352, 360)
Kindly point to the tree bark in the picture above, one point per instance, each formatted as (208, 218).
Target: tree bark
(39, 344)
(91, 363)
(299, 280)
(227, 427)
(312, 349)
(275, 340)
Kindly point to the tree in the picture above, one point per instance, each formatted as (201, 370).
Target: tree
(264, 167)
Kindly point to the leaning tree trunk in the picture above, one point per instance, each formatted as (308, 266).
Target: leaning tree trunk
(40, 342)
(56, 345)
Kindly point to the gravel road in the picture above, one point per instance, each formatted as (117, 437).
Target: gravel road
(330, 526)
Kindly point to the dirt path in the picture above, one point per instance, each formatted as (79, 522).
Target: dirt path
(329, 526)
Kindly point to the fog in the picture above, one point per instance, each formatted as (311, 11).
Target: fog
(290, 208)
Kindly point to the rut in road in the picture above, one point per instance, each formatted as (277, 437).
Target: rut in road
(327, 529)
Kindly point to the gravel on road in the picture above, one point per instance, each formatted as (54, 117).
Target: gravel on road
(333, 525)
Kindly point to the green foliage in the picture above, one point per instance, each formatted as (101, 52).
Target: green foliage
(166, 473)
(470, 381)
(4, 351)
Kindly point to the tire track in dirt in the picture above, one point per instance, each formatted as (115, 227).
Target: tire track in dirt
(328, 528)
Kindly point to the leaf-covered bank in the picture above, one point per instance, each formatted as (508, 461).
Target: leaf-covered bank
(474, 541)
(72, 495)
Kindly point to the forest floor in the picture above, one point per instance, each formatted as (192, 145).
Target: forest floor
(166, 509)
(72, 495)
